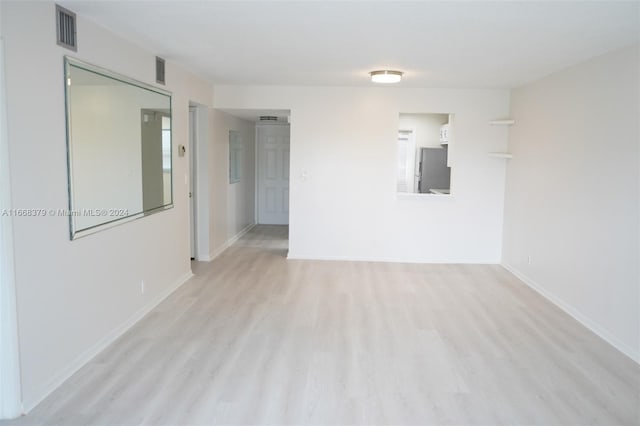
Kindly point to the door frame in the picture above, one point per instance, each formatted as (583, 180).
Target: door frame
(193, 183)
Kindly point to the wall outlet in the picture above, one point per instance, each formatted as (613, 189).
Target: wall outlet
(142, 287)
(529, 260)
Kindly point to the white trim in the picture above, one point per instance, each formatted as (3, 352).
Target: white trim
(202, 204)
(193, 181)
(10, 385)
(601, 332)
(227, 244)
(86, 356)
(382, 259)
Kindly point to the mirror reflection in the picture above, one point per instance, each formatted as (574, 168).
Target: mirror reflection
(119, 146)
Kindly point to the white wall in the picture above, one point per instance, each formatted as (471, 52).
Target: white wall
(344, 139)
(10, 394)
(75, 296)
(232, 205)
(572, 193)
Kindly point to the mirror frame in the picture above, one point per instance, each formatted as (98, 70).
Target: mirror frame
(77, 233)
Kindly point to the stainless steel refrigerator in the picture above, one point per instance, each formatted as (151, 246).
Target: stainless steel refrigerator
(434, 173)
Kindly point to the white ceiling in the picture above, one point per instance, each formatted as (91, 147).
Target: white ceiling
(473, 44)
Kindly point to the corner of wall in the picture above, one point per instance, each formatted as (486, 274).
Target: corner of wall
(66, 372)
(563, 192)
(607, 336)
(217, 252)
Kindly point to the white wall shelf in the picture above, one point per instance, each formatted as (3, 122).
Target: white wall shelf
(505, 155)
(506, 122)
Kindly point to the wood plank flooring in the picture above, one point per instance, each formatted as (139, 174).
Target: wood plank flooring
(256, 339)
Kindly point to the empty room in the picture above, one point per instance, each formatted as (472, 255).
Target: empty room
(319, 213)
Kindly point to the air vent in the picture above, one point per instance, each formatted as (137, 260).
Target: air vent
(160, 70)
(66, 28)
(268, 118)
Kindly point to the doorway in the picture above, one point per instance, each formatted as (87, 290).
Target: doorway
(193, 175)
(273, 147)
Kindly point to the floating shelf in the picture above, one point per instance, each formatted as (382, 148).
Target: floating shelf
(506, 122)
(501, 155)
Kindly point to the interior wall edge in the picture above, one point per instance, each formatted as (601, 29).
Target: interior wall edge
(10, 382)
(573, 312)
(65, 373)
(217, 252)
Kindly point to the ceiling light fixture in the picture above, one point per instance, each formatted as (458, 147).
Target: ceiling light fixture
(386, 76)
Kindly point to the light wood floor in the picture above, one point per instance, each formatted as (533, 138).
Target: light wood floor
(256, 339)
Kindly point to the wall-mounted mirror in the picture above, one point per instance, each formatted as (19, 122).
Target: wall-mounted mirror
(423, 143)
(119, 148)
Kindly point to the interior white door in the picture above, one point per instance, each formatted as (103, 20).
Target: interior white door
(273, 174)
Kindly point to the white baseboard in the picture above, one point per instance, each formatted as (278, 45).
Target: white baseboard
(94, 350)
(576, 314)
(217, 252)
(295, 256)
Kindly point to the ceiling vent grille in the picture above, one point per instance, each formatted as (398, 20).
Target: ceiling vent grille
(66, 28)
(160, 70)
(268, 118)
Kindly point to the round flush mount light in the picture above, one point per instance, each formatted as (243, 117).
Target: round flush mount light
(386, 76)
